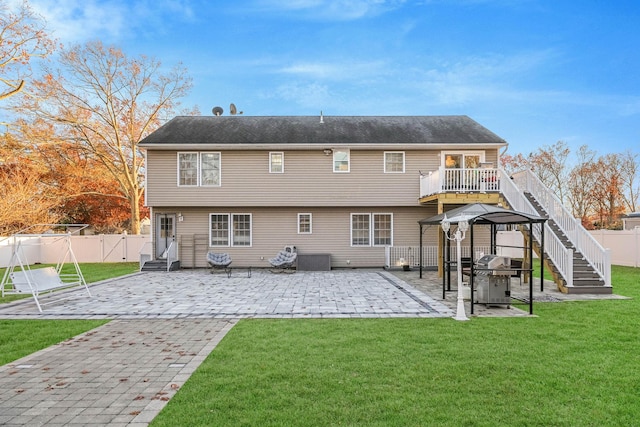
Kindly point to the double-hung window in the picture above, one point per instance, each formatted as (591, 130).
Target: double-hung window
(276, 162)
(188, 169)
(371, 229)
(304, 223)
(394, 162)
(209, 169)
(198, 169)
(229, 229)
(341, 160)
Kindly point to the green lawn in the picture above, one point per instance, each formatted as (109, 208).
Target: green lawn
(19, 338)
(92, 272)
(577, 364)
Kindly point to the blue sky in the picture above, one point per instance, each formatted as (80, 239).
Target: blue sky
(534, 72)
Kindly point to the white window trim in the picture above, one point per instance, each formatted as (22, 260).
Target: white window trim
(373, 214)
(230, 229)
(229, 238)
(444, 153)
(250, 229)
(371, 229)
(219, 184)
(310, 223)
(199, 169)
(384, 159)
(178, 169)
(333, 163)
(351, 229)
(270, 163)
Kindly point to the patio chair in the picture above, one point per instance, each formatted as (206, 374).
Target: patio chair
(283, 262)
(219, 261)
(516, 266)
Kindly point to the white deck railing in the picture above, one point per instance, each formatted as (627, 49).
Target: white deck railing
(146, 253)
(397, 256)
(561, 256)
(460, 181)
(593, 252)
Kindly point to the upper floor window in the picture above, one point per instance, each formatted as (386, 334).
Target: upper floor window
(394, 162)
(341, 161)
(372, 229)
(462, 160)
(276, 162)
(209, 168)
(304, 223)
(188, 169)
(198, 169)
(229, 229)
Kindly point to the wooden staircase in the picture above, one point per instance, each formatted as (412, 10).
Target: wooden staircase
(585, 278)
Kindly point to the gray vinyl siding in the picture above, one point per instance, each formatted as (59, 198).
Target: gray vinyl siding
(274, 228)
(308, 180)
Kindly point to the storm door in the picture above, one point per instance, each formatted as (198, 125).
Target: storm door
(165, 233)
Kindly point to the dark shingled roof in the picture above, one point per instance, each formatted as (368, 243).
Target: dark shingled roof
(333, 130)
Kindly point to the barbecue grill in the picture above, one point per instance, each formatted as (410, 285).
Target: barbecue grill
(493, 279)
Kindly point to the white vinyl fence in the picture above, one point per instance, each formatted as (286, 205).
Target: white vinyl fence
(624, 245)
(98, 248)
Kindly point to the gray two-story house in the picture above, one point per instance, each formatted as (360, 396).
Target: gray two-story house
(351, 187)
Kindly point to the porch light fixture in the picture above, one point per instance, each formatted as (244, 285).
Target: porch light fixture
(458, 236)
(327, 151)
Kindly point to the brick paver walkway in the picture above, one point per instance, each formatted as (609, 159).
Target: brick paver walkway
(165, 325)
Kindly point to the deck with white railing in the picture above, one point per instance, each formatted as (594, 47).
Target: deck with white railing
(447, 180)
(452, 185)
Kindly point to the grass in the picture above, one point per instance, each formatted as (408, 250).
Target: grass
(19, 338)
(92, 272)
(577, 363)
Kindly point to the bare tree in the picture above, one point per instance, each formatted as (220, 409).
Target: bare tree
(549, 163)
(105, 103)
(581, 185)
(629, 171)
(607, 191)
(22, 37)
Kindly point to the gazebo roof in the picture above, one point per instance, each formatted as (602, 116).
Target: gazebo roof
(480, 213)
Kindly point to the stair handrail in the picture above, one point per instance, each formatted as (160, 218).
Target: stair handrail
(172, 254)
(561, 256)
(584, 242)
(145, 253)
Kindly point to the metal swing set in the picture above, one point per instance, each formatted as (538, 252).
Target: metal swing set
(21, 278)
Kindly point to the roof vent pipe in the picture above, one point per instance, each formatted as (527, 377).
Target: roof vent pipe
(321, 117)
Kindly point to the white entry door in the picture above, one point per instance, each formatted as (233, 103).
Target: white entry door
(165, 232)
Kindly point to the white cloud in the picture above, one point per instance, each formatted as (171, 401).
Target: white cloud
(333, 10)
(337, 70)
(306, 95)
(72, 21)
(490, 77)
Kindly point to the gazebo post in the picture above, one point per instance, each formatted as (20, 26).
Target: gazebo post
(420, 251)
(471, 272)
(542, 257)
